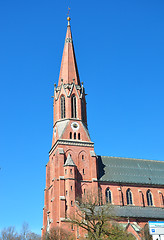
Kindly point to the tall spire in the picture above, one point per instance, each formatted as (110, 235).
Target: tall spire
(68, 69)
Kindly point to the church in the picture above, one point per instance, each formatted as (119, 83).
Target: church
(134, 187)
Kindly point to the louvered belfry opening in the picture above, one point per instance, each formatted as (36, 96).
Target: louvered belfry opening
(73, 107)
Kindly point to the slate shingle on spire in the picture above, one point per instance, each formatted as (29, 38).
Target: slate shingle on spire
(69, 161)
(68, 69)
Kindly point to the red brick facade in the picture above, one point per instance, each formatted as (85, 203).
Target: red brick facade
(64, 184)
(139, 194)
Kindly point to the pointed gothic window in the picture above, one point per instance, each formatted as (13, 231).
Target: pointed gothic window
(141, 198)
(73, 106)
(108, 196)
(129, 197)
(62, 106)
(149, 198)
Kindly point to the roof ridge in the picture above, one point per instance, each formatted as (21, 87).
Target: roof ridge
(133, 158)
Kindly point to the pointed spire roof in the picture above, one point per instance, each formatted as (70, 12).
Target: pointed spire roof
(68, 69)
(69, 161)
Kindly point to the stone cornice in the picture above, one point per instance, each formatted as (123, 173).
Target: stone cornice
(130, 183)
(71, 143)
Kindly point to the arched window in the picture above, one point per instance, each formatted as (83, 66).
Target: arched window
(108, 196)
(149, 198)
(62, 105)
(141, 198)
(129, 197)
(73, 106)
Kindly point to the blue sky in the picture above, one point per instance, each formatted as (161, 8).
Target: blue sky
(119, 48)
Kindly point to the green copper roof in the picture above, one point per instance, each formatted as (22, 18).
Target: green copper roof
(130, 170)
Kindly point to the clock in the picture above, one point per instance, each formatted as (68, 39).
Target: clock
(74, 126)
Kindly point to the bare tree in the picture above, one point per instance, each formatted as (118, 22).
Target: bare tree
(98, 222)
(145, 233)
(25, 234)
(58, 234)
(25, 231)
(9, 234)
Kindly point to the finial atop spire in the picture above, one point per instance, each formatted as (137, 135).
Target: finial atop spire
(68, 18)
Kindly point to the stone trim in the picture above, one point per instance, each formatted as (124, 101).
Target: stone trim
(94, 179)
(93, 154)
(62, 197)
(61, 151)
(63, 219)
(70, 178)
(129, 183)
(65, 119)
(72, 143)
(61, 177)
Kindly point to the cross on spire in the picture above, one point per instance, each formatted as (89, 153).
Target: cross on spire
(68, 11)
(68, 18)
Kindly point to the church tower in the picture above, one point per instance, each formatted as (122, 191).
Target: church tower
(71, 171)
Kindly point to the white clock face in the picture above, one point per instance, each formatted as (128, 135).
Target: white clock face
(75, 126)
